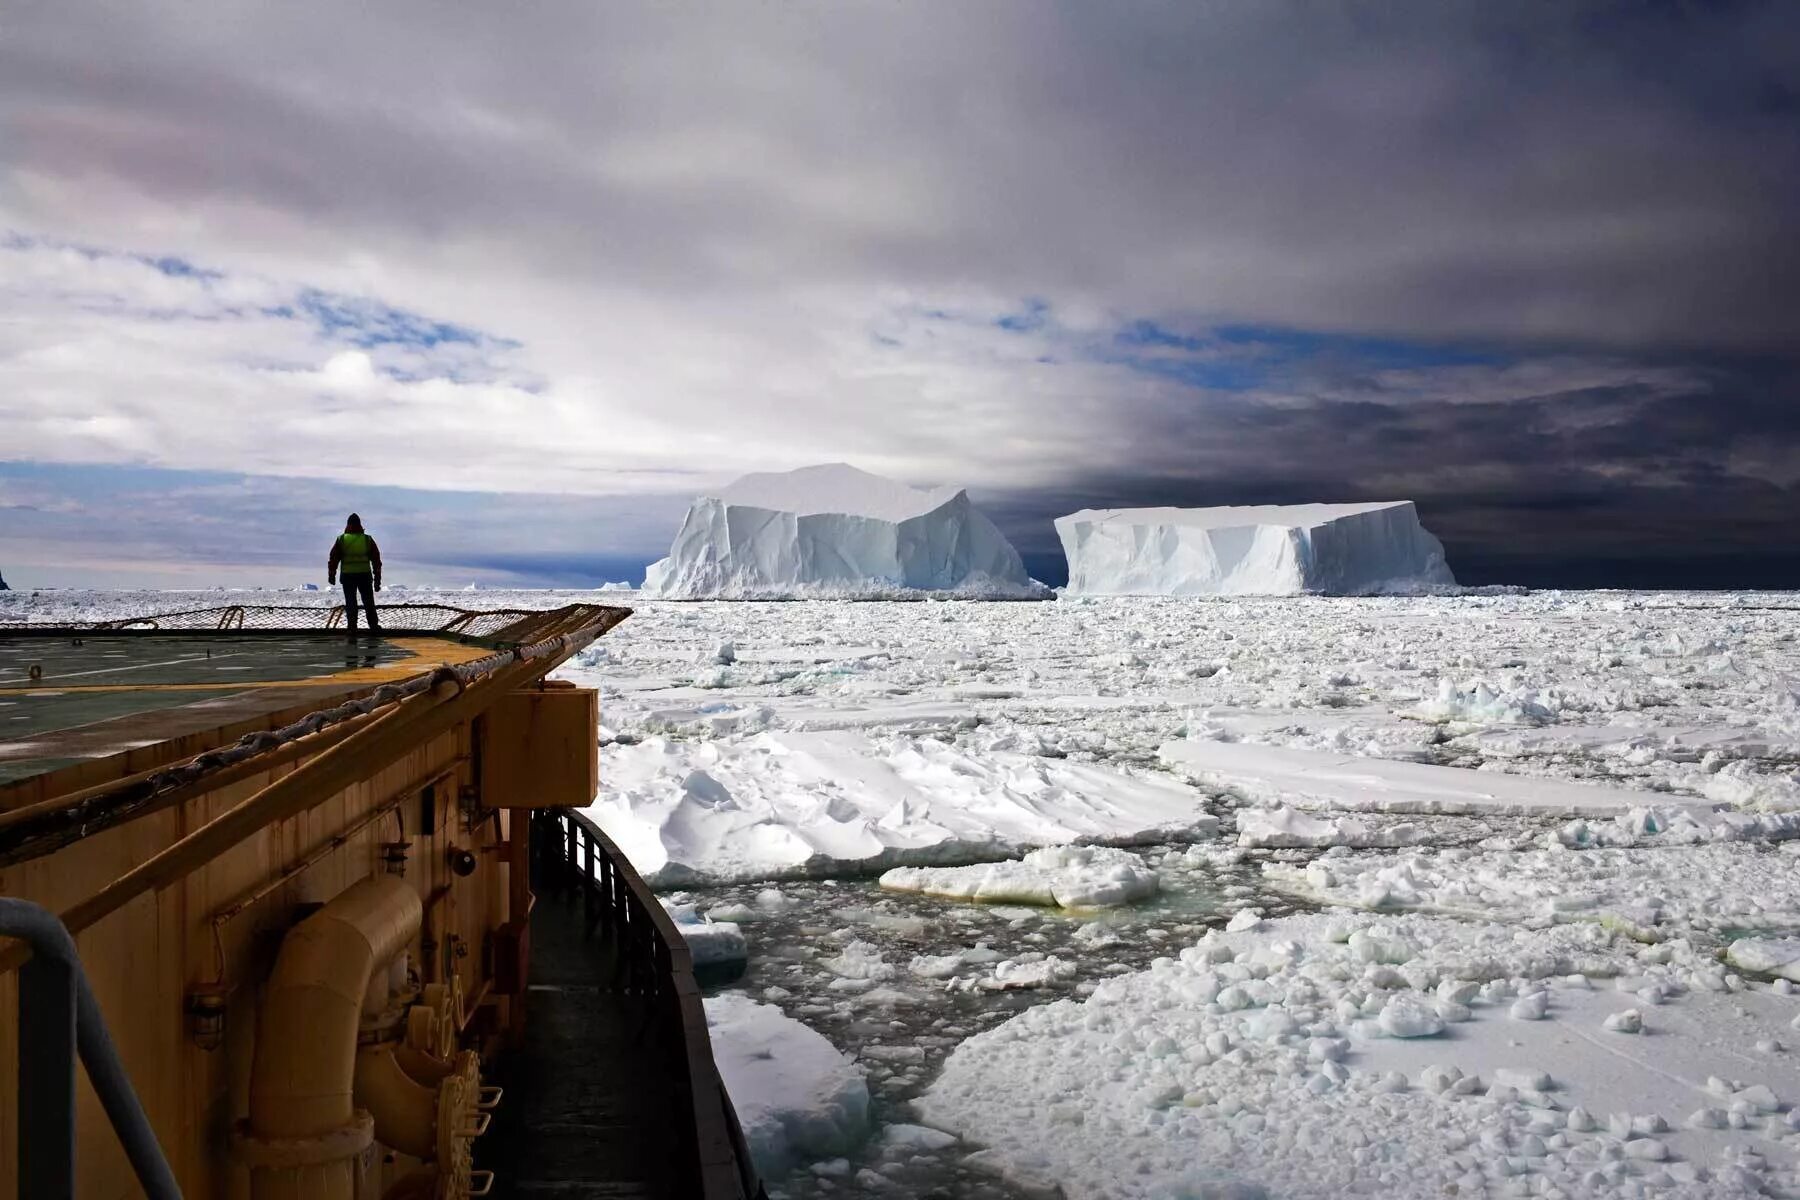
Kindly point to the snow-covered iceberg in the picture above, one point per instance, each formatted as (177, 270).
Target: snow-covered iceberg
(834, 531)
(1343, 549)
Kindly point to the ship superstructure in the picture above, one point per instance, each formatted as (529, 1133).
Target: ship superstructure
(274, 888)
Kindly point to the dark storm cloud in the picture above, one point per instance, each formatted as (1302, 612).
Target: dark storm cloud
(1623, 172)
(1534, 264)
(1684, 483)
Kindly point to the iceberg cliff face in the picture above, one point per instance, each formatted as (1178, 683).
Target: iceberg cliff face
(1263, 550)
(834, 531)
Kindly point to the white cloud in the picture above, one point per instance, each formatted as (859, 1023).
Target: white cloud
(685, 242)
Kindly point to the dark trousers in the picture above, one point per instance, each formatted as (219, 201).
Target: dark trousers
(364, 586)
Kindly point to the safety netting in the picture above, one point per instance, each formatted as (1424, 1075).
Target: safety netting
(497, 625)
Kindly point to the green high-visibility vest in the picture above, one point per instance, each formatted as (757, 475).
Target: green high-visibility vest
(355, 559)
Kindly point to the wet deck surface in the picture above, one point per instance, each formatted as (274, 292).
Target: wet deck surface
(584, 1116)
(65, 699)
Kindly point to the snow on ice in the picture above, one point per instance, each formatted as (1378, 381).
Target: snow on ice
(1311, 779)
(783, 805)
(1321, 1057)
(836, 531)
(1344, 549)
(1548, 833)
(1713, 888)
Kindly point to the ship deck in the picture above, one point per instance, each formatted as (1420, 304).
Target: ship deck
(90, 705)
(590, 1110)
(71, 698)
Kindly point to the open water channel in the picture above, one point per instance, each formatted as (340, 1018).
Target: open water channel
(900, 1025)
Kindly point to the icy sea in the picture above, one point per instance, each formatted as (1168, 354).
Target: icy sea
(1447, 896)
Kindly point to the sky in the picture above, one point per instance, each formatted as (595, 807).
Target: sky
(518, 281)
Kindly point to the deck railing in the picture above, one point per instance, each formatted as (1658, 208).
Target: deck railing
(654, 962)
(59, 1020)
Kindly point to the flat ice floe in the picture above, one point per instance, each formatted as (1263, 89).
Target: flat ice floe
(1312, 779)
(1714, 889)
(1319, 1057)
(796, 1097)
(1059, 876)
(795, 804)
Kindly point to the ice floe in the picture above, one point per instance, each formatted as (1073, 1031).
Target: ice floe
(795, 804)
(796, 1097)
(1320, 1057)
(1062, 876)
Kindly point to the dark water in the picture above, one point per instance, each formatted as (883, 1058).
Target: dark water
(902, 1027)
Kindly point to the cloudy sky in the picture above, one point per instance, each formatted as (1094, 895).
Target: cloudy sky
(517, 281)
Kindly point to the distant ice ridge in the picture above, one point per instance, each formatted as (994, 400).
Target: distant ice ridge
(1341, 549)
(834, 532)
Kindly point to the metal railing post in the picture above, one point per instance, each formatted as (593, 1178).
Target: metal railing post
(59, 1018)
(46, 1105)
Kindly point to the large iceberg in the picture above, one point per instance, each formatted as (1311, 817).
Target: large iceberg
(1343, 549)
(835, 531)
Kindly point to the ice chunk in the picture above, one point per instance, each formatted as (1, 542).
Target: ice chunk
(1533, 1006)
(835, 531)
(1062, 876)
(1628, 1021)
(1771, 956)
(1017, 974)
(1407, 1016)
(915, 1138)
(711, 942)
(1258, 550)
(859, 960)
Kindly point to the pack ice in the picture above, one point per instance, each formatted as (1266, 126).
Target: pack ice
(834, 531)
(1258, 550)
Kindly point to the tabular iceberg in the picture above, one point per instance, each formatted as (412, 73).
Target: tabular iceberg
(835, 531)
(1258, 550)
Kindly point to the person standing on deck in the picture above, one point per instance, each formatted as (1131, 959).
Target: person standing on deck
(357, 556)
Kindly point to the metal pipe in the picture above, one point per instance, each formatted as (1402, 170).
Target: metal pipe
(53, 948)
(405, 1110)
(300, 1075)
(305, 1135)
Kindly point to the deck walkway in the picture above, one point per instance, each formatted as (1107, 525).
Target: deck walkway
(585, 1116)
